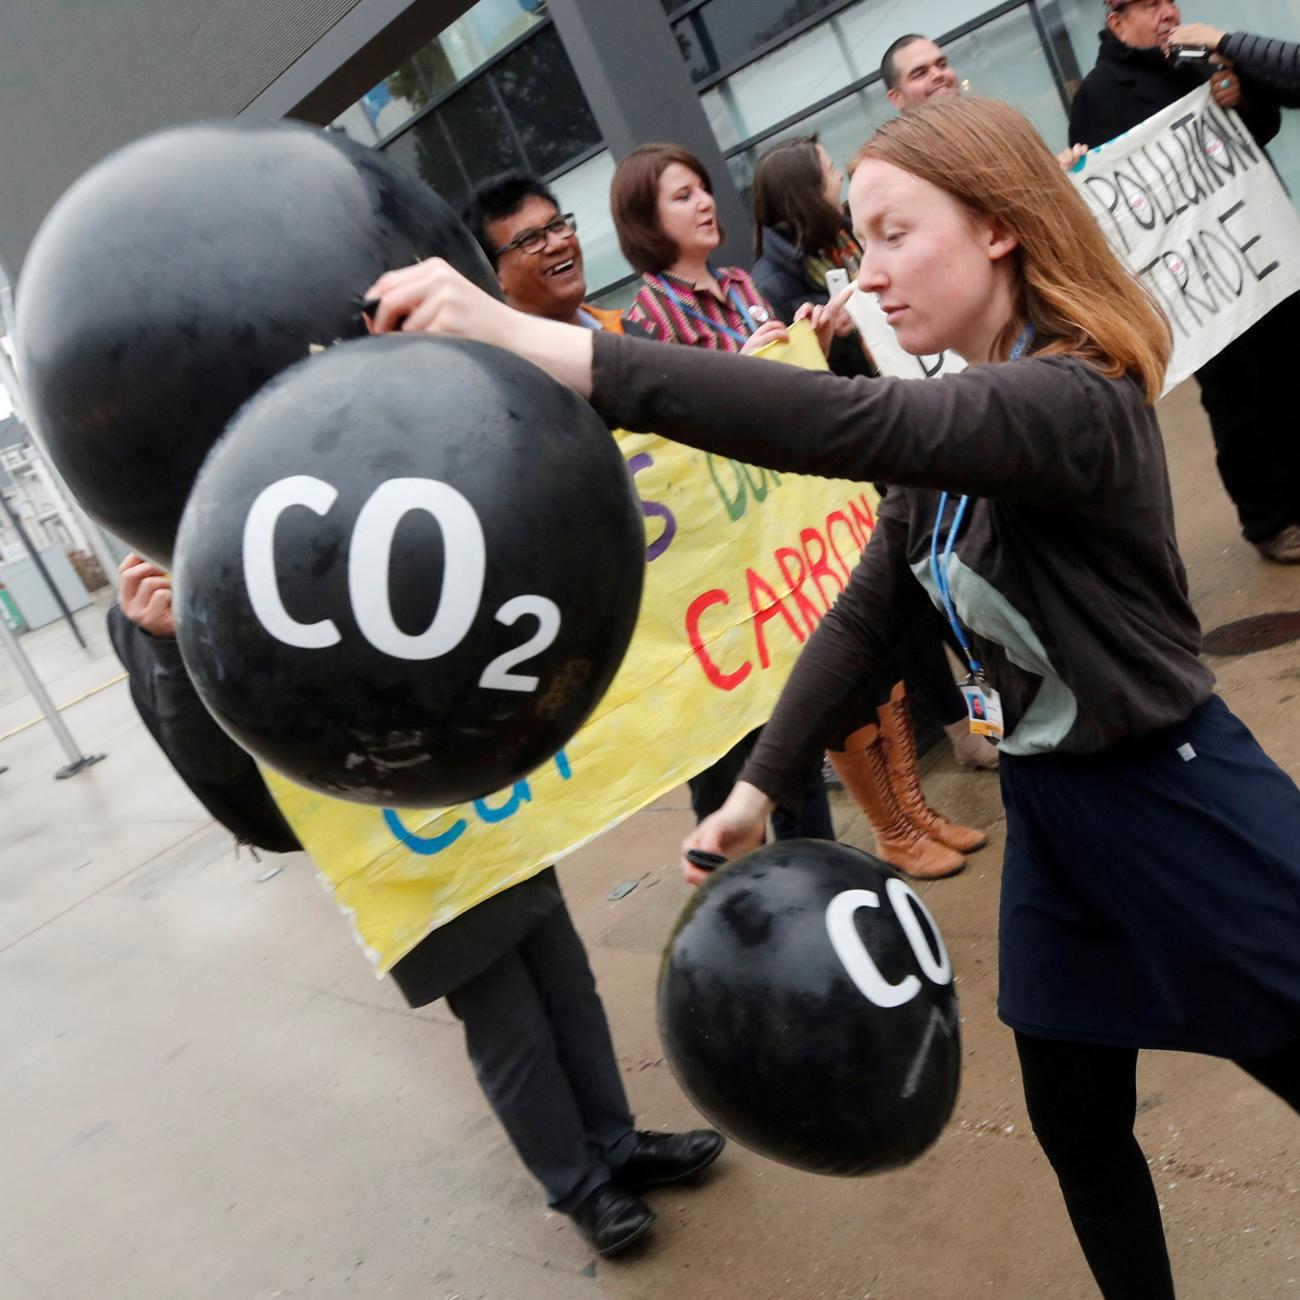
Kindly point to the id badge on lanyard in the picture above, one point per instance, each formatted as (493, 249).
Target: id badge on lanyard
(983, 709)
(983, 703)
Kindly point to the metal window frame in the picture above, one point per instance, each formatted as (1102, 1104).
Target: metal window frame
(1056, 40)
(854, 87)
(1052, 34)
(484, 69)
(486, 66)
(693, 7)
(684, 9)
(574, 163)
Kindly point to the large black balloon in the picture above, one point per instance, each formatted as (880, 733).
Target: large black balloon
(409, 570)
(800, 1017)
(181, 273)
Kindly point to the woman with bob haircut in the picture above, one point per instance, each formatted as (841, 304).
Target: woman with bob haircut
(667, 223)
(1151, 885)
(666, 217)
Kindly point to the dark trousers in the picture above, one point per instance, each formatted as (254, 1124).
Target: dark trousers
(810, 821)
(1082, 1100)
(917, 658)
(923, 665)
(540, 1046)
(1247, 394)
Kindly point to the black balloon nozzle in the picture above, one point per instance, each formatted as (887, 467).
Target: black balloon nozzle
(705, 861)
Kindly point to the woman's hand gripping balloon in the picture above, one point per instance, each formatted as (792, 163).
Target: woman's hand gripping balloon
(738, 827)
(432, 298)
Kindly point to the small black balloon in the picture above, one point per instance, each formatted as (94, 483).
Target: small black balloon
(409, 570)
(806, 1007)
(181, 273)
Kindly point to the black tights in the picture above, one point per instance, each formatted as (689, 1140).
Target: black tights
(1082, 1101)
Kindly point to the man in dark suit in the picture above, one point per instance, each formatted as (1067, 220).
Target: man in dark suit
(512, 969)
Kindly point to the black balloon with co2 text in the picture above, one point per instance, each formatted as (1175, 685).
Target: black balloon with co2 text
(409, 571)
(806, 1007)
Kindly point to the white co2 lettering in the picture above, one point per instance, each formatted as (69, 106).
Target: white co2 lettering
(858, 962)
(369, 557)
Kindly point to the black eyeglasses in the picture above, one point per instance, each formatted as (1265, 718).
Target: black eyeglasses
(533, 241)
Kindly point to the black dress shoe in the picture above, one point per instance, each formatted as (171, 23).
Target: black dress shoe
(662, 1158)
(611, 1218)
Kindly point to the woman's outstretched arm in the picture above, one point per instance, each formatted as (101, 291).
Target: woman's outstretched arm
(1043, 431)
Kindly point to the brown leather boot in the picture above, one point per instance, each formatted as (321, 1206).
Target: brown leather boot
(899, 840)
(905, 777)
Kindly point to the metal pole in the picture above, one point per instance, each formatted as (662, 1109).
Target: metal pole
(40, 567)
(76, 759)
(100, 542)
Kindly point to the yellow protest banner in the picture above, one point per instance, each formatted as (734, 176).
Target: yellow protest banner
(741, 565)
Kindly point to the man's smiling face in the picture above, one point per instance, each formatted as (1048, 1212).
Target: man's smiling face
(549, 282)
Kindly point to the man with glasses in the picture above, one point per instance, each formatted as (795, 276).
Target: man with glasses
(534, 249)
(1242, 388)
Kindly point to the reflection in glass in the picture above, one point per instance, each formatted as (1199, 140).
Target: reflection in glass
(526, 111)
(545, 104)
(584, 191)
(724, 32)
(453, 55)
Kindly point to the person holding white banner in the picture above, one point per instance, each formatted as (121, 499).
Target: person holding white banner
(1151, 887)
(1243, 388)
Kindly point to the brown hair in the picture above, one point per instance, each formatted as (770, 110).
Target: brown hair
(788, 196)
(634, 203)
(1070, 286)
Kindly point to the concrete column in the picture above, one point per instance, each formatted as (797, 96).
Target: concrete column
(627, 61)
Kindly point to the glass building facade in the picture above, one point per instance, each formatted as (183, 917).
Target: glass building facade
(497, 89)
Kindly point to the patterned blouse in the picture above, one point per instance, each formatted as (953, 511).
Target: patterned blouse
(666, 318)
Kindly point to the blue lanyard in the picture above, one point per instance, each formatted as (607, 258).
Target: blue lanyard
(716, 326)
(940, 572)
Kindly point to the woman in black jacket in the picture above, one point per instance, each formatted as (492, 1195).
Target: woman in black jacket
(800, 234)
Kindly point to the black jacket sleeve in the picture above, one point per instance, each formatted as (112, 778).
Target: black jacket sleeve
(1273, 64)
(1259, 109)
(221, 775)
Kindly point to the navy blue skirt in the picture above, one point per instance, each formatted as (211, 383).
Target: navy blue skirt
(1151, 893)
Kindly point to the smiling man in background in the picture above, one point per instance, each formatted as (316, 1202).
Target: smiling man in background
(915, 70)
(534, 249)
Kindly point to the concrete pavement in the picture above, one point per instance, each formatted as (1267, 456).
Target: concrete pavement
(207, 1095)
